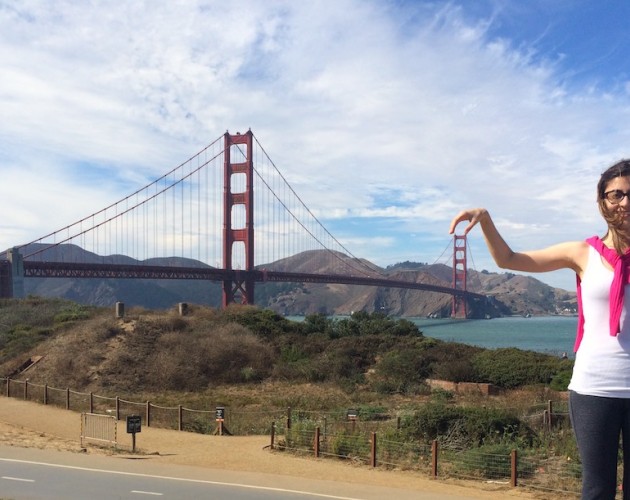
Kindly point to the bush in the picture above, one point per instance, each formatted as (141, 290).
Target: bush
(363, 323)
(402, 371)
(460, 427)
(24, 323)
(560, 381)
(72, 312)
(489, 462)
(228, 354)
(301, 435)
(348, 445)
(460, 370)
(262, 322)
(510, 368)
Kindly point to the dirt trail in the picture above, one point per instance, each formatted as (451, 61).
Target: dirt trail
(27, 424)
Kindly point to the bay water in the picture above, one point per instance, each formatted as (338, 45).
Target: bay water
(553, 335)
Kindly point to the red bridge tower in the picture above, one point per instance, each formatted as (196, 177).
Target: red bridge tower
(238, 288)
(459, 276)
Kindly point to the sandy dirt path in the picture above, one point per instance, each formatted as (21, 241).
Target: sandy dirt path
(32, 425)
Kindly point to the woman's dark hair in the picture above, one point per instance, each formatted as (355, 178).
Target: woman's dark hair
(612, 218)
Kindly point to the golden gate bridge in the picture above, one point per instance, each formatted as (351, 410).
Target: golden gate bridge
(225, 208)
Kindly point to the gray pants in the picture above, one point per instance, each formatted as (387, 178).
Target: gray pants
(597, 423)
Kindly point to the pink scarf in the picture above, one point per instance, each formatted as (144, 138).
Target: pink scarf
(621, 277)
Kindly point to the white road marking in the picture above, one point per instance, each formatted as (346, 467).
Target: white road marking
(139, 492)
(18, 479)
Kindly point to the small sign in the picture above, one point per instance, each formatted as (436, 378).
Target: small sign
(134, 424)
(353, 414)
(220, 413)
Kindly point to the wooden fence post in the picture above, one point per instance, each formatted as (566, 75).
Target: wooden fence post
(373, 450)
(148, 414)
(67, 398)
(514, 468)
(91, 402)
(434, 458)
(117, 408)
(26, 390)
(46, 394)
(550, 413)
(180, 418)
(273, 434)
(316, 442)
(8, 387)
(289, 417)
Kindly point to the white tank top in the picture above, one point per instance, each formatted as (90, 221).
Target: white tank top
(602, 362)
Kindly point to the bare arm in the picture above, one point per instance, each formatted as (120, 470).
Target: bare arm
(570, 255)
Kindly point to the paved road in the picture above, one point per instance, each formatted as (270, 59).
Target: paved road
(28, 473)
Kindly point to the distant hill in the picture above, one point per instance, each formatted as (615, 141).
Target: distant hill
(509, 294)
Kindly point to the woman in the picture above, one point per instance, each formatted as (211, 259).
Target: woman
(599, 392)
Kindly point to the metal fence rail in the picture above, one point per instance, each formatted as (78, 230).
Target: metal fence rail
(99, 428)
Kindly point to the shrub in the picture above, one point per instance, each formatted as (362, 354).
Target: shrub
(24, 323)
(72, 312)
(402, 371)
(460, 370)
(317, 323)
(262, 322)
(560, 381)
(452, 361)
(348, 445)
(489, 461)
(441, 396)
(301, 435)
(510, 368)
(363, 323)
(461, 427)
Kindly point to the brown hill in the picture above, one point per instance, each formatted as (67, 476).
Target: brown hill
(509, 294)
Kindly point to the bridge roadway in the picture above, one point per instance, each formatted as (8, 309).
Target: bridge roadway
(38, 269)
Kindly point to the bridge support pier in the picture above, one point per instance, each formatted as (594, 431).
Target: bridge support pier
(238, 287)
(12, 275)
(5, 279)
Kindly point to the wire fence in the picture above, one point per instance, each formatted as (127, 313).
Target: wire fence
(339, 434)
(513, 468)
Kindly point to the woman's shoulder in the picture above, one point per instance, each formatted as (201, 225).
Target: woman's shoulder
(578, 248)
(577, 252)
(573, 246)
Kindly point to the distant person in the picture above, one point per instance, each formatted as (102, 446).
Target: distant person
(599, 391)
(564, 356)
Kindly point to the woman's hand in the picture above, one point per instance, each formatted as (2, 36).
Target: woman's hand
(473, 215)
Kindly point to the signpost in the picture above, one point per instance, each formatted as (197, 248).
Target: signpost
(220, 418)
(134, 424)
(220, 413)
(353, 416)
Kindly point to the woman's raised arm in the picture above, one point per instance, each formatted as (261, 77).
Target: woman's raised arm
(571, 255)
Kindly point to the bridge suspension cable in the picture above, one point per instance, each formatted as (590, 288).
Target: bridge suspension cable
(108, 224)
(180, 214)
(364, 268)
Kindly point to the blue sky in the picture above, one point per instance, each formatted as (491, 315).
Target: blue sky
(387, 117)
